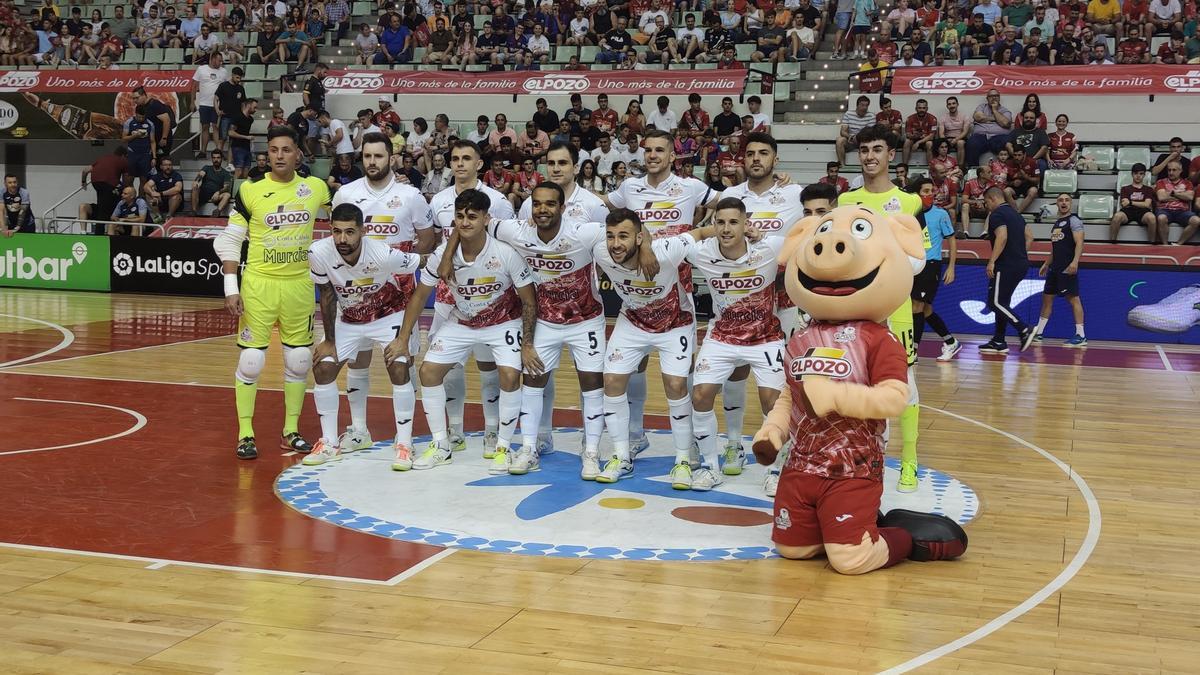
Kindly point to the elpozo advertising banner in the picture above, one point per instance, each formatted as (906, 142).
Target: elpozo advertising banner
(1081, 80)
(171, 265)
(536, 83)
(84, 104)
(66, 262)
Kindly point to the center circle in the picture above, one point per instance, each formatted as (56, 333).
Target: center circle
(552, 512)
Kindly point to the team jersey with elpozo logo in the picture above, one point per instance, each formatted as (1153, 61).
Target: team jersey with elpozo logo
(773, 213)
(368, 289)
(567, 290)
(442, 209)
(483, 291)
(855, 352)
(278, 218)
(743, 291)
(392, 215)
(581, 207)
(657, 305)
(666, 210)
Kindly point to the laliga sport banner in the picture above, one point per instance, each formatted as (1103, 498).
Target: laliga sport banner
(1087, 80)
(85, 104)
(59, 261)
(540, 83)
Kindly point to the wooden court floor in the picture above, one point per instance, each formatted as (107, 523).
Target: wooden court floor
(157, 551)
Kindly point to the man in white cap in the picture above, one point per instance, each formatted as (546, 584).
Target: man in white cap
(386, 115)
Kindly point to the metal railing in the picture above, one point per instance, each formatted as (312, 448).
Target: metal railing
(48, 217)
(73, 224)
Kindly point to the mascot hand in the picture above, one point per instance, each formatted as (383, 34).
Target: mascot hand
(767, 443)
(819, 393)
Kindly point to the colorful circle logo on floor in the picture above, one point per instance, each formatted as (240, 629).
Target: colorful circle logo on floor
(553, 513)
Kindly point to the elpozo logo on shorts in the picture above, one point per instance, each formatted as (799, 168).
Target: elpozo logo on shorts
(947, 82)
(1188, 83)
(557, 84)
(828, 361)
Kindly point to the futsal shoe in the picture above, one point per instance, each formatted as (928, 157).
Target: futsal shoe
(1175, 313)
(545, 444)
(681, 476)
(1027, 336)
(1076, 342)
(908, 477)
(323, 452)
(934, 537)
(354, 440)
(523, 462)
(734, 459)
(246, 449)
(294, 442)
(436, 454)
(771, 483)
(949, 350)
(457, 442)
(591, 466)
(706, 479)
(1038, 339)
(404, 458)
(490, 440)
(614, 470)
(638, 445)
(500, 461)
(694, 456)
(992, 347)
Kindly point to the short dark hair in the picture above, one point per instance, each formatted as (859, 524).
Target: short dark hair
(283, 130)
(877, 132)
(473, 200)
(833, 165)
(464, 143)
(551, 185)
(692, 97)
(347, 212)
(730, 203)
(238, 71)
(377, 137)
(561, 145)
(819, 191)
(914, 186)
(764, 138)
(1138, 167)
(860, 99)
(754, 99)
(618, 216)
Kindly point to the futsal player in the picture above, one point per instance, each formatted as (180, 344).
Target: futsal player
(276, 213)
(876, 150)
(495, 309)
(465, 163)
(579, 207)
(362, 305)
(935, 222)
(397, 215)
(743, 333)
(1061, 270)
(1006, 266)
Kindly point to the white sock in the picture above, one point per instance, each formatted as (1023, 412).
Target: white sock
(781, 458)
(704, 429)
(593, 419)
(681, 426)
(616, 418)
(733, 398)
(546, 423)
(404, 402)
(489, 389)
(1079, 330)
(327, 400)
(531, 415)
(455, 384)
(1041, 325)
(509, 411)
(358, 388)
(434, 401)
(635, 391)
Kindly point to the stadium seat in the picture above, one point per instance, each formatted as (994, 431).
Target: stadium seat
(255, 71)
(321, 167)
(1096, 207)
(1124, 178)
(253, 89)
(1058, 181)
(744, 51)
(152, 55)
(1103, 155)
(1129, 155)
(172, 55)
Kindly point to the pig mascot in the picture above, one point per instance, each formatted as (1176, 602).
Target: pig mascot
(846, 375)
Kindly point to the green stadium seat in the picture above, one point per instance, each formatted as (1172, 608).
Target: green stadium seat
(706, 66)
(255, 71)
(253, 89)
(152, 55)
(321, 166)
(172, 55)
(587, 54)
(1058, 181)
(1127, 156)
(276, 70)
(1096, 207)
(744, 51)
(1104, 156)
(1124, 178)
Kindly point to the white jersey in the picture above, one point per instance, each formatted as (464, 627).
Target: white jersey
(483, 291)
(666, 210)
(442, 209)
(774, 212)
(367, 290)
(567, 290)
(658, 305)
(743, 291)
(582, 207)
(392, 215)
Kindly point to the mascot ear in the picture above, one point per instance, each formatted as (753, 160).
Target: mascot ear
(908, 234)
(800, 231)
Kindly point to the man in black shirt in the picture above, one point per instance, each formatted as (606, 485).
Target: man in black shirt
(230, 96)
(576, 112)
(662, 44)
(727, 121)
(266, 50)
(716, 39)
(344, 171)
(615, 43)
(812, 15)
(1005, 269)
(240, 140)
(979, 38)
(161, 116)
(314, 87)
(304, 121)
(544, 118)
(260, 168)
(589, 136)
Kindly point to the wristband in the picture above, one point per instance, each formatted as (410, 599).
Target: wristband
(231, 285)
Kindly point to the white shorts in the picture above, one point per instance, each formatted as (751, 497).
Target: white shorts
(352, 338)
(441, 312)
(585, 340)
(454, 342)
(629, 344)
(717, 361)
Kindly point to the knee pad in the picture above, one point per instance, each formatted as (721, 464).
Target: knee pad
(297, 361)
(250, 365)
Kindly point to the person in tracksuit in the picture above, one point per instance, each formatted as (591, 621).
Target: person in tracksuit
(1006, 267)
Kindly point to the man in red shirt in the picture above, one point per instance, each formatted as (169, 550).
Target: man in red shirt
(731, 162)
(604, 118)
(890, 116)
(1172, 52)
(831, 177)
(919, 131)
(695, 119)
(1136, 207)
(1133, 49)
(973, 206)
(385, 115)
(107, 175)
(1023, 178)
(1175, 196)
(945, 191)
(885, 47)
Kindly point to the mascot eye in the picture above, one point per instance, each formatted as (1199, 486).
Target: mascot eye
(861, 228)
(825, 227)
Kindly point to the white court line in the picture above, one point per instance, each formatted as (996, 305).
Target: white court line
(67, 339)
(139, 422)
(1162, 354)
(1068, 572)
(133, 349)
(420, 566)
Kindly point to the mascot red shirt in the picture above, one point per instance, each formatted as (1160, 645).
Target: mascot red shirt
(847, 374)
